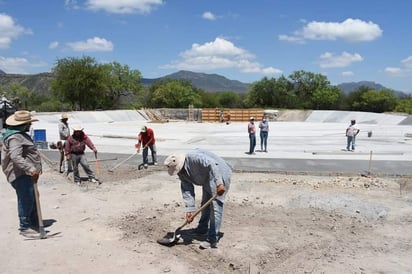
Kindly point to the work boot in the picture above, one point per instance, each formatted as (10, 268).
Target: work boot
(27, 231)
(207, 245)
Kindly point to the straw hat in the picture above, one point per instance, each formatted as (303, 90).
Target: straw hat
(64, 116)
(77, 128)
(174, 163)
(20, 117)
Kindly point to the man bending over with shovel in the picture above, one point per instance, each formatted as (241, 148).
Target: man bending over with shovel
(212, 173)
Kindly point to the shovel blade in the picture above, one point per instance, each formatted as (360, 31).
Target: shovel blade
(169, 240)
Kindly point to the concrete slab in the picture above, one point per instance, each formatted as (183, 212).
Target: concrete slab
(292, 146)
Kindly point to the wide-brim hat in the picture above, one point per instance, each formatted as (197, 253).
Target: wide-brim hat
(64, 116)
(175, 163)
(77, 128)
(20, 117)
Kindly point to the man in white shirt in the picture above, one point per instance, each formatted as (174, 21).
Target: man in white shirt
(351, 133)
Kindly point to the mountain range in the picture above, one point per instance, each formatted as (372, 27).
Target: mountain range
(40, 83)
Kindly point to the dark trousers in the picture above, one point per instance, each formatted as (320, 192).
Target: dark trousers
(26, 202)
(252, 142)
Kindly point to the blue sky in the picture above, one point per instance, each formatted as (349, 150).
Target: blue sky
(348, 41)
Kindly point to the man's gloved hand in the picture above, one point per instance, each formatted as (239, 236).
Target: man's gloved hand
(189, 217)
(220, 189)
(95, 154)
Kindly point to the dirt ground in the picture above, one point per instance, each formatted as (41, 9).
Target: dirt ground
(273, 223)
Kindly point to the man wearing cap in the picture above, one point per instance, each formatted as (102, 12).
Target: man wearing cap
(74, 151)
(64, 133)
(21, 163)
(351, 133)
(251, 129)
(213, 174)
(146, 139)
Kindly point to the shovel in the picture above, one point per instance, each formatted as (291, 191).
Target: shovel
(43, 234)
(170, 241)
(122, 162)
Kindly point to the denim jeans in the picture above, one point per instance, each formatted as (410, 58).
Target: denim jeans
(211, 218)
(252, 142)
(263, 140)
(80, 159)
(146, 152)
(26, 203)
(350, 143)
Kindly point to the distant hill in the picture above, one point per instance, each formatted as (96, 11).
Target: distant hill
(347, 88)
(40, 83)
(207, 82)
(37, 83)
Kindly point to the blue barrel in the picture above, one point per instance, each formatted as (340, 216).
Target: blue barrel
(39, 135)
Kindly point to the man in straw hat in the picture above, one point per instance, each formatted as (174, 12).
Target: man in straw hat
(212, 173)
(64, 133)
(21, 163)
(74, 151)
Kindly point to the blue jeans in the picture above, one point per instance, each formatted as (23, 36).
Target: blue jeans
(26, 202)
(350, 143)
(146, 152)
(252, 142)
(211, 218)
(80, 159)
(263, 140)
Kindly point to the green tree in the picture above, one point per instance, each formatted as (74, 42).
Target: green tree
(228, 99)
(305, 84)
(174, 94)
(261, 93)
(378, 101)
(404, 105)
(120, 81)
(78, 81)
(327, 98)
(19, 95)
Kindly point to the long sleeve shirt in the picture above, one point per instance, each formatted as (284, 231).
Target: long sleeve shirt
(19, 156)
(78, 147)
(203, 168)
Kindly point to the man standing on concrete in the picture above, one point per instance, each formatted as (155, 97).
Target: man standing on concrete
(252, 135)
(21, 163)
(213, 174)
(146, 139)
(64, 133)
(351, 133)
(264, 132)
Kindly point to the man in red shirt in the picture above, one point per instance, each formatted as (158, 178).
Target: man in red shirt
(146, 139)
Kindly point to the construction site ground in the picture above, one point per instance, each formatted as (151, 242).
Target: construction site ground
(278, 217)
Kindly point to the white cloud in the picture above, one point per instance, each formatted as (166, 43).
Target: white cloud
(293, 39)
(353, 30)
(393, 70)
(330, 60)
(18, 65)
(209, 16)
(9, 30)
(53, 45)
(91, 45)
(123, 6)
(347, 73)
(404, 70)
(219, 54)
(407, 62)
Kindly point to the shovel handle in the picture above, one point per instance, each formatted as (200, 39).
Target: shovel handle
(199, 210)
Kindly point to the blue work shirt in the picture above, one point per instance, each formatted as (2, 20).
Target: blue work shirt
(206, 169)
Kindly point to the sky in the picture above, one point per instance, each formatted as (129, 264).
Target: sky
(347, 41)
